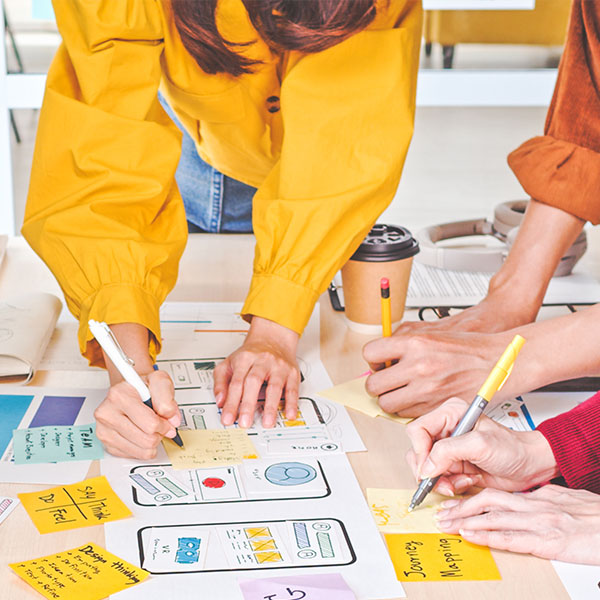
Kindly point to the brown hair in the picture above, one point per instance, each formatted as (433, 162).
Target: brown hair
(303, 25)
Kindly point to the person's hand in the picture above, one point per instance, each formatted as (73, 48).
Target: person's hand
(429, 368)
(127, 427)
(495, 313)
(552, 522)
(268, 354)
(124, 424)
(489, 456)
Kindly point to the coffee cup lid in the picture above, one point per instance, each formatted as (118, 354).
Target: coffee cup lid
(386, 243)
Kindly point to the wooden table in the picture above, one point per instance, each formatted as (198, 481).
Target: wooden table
(226, 279)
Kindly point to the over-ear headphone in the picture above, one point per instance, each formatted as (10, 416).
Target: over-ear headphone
(507, 218)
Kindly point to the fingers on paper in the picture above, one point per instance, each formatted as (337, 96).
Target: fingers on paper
(222, 376)
(240, 364)
(524, 542)
(292, 387)
(251, 386)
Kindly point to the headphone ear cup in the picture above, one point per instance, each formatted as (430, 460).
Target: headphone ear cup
(569, 258)
(508, 215)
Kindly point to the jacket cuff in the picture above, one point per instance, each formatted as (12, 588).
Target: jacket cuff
(574, 437)
(561, 174)
(118, 303)
(280, 300)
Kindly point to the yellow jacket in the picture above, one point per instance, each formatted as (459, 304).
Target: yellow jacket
(103, 209)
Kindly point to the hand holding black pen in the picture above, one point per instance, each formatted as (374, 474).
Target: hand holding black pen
(109, 344)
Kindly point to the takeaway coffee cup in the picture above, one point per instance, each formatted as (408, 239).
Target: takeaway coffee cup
(387, 251)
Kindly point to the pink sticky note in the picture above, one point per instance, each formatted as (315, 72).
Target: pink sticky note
(300, 587)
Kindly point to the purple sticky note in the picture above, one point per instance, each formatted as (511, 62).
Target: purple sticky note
(300, 587)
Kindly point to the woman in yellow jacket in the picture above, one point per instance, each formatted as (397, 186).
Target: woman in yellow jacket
(310, 102)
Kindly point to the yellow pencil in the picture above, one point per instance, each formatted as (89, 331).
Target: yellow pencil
(386, 310)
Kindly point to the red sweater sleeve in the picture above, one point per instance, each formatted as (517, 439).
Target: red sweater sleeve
(574, 437)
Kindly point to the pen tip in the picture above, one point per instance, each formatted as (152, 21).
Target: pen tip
(411, 507)
(177, 439)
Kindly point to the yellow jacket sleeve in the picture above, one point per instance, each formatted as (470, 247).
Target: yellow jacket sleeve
(347, 119)
(103, 209)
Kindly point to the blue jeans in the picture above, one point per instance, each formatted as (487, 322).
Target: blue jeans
(214, 203)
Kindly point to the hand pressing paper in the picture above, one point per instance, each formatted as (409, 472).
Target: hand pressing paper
(204, 448)
(87, 572)
(390, 511)
(353, 394)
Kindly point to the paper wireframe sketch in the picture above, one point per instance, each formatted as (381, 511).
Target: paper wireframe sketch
(26, 325)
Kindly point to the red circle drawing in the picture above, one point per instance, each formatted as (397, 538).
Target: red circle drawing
(213, 482)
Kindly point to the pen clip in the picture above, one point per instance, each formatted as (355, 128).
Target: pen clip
(124, 356)
(506, 377)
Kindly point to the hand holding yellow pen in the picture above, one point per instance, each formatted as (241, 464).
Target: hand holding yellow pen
(492, 384)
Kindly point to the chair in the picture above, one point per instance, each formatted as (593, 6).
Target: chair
(545, 25)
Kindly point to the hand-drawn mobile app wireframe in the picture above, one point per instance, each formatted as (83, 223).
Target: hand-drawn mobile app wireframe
(205, 548)
(253, 480)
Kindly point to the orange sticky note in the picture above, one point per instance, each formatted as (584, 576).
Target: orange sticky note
(83, 504)
(439, 557)
(88, 572)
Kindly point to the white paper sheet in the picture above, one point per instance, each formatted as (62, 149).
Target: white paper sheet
(22, 407)
(545, 405)
(272, 522)
(582, 582)
(430, 286)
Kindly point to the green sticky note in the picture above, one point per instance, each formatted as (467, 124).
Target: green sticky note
(58, 443)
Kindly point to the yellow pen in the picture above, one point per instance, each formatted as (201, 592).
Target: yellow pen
(386, 310)
(493, 383)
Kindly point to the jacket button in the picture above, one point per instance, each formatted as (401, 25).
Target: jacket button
(273, 104)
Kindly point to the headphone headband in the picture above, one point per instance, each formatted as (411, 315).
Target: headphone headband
(507, 218)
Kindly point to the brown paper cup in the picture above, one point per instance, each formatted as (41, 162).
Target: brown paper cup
(362, 295)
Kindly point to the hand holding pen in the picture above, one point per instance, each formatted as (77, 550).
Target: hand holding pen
(492, 384)
(134, 417)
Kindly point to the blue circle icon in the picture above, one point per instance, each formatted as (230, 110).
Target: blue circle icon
(290, 473)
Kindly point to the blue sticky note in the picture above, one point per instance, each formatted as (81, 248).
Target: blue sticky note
(56, 444)
(42, 9)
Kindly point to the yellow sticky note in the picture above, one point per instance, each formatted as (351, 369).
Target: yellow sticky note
(439, 557)
(354, 395)
(390, 511)
(204, 448)
(88, 572)
(83, 504)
